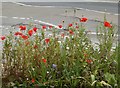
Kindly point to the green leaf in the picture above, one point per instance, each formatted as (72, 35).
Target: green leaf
(92, 78)
(110, 78)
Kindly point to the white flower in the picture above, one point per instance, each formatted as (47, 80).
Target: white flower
(67, 48)
(48, 72)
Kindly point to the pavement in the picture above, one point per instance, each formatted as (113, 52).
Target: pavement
(15, 13)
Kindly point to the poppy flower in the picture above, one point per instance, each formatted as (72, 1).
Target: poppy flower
(70, 25)
(107, 24)
(50, 26)
(35, 46)
(85, 55)
(43, 27)
(62, 34)
(17, 33)
(63, 21)
(22, 27)
(60, 26)
(30, 32)
(76, 23)
(3, 38)
(35, 29)
(27, 43)
(47, 40)
(77, 27)
(83, 19)
(33, 80)
(24, 37)
(71, 32)
(89, 61)
(44, 60)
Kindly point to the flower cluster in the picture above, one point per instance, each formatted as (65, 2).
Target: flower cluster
(65, 59)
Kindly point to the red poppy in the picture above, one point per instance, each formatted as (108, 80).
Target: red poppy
(27, 43)
(33, 80)
(77, 27)
(47, 40)
(60, 26)
(22, 27)
(35, 46)
(30, 32)
(83, 19)
(35, 29)
(43, 27)
(18, 33)
(89, 61)
(3, 38)
(71, 32)
(107, 24)
(76, 23)
(85, 55)
(24, 37)
(70, 25)
(44, 60)
(50, 26)
(63, 35)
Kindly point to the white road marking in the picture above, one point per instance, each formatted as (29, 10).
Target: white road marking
(15, 17)
(76, 7)
(6, 28)
(96, 11)
(117, 14)
(45, 23)
(22, 18)
(49, 24)
(27, 18)
(3, 17)
(36, 20)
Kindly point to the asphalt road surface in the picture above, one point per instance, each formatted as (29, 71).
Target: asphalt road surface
(50, 13)
(98, 6)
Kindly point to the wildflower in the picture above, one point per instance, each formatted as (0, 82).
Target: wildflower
(107, 24)
(48, 72)
(71, 32)
(67, 48)
(43, 27)
(17, 33)
(63, 35)
(33, 80)
(3, 38)
(50, 26)
(47, 40)
(24, 37)
(83, 19)
(54, 66)
(60, 26)
(22, 27)
(27, 43)
(35, 46)
(77, 27)
(85, 55)
(44, 60)
(30, 32)
(76, 23)
(89, 61)
(35, 29)
(63, 21)
(70, 25)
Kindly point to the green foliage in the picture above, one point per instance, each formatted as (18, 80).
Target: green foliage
(71, 61)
